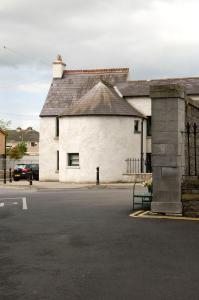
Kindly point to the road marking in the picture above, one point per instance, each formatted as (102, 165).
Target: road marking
(144, 213)
(24, 203)
(11, 203)
(149, 215)
(135, 214)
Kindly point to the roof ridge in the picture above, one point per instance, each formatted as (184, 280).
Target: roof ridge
(159, 79)
(173, 78)
(96, 71)
(108, 84)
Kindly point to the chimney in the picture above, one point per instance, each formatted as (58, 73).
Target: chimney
(58, 67)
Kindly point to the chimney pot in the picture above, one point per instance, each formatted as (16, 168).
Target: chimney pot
(58, 67)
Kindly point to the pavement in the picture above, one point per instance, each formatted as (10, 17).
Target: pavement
(52, 185)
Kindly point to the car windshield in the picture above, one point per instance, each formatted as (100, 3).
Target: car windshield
(20, 166)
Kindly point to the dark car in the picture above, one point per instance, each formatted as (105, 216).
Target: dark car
(23, 171)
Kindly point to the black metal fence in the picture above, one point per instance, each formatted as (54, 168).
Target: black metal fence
(138, 165)
(191, 150)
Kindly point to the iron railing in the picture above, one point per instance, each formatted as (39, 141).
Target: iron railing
(191, 150)
(138, 165)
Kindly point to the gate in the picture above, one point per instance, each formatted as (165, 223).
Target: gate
(191, 150)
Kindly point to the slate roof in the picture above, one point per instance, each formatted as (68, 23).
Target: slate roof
(75, 84)
(102, 99)
(141, 87)
(22, 135)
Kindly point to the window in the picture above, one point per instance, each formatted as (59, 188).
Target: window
(148, 163)
(33, 144)
(73, 159)
(57, 160)
(137, 126)
(149, 126)
(57, 127)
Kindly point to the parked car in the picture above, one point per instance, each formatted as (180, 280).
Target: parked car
(23, 171)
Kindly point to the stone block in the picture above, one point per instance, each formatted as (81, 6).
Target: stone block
(169, 149)
(165, 186)
(166, 161)
(164, 125)
(167, 91)
(169, 196)
(167, 207)
(165, 137)
(157, 173)
(170, 172)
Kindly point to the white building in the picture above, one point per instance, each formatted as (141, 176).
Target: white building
(96, 118)
(87, 123)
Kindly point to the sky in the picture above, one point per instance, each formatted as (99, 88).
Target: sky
(154, 38)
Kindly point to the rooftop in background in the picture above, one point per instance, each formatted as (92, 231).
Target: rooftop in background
(20, 135)
(141, 87)
(2, 131)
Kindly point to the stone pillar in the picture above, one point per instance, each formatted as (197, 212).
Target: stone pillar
(168, 123)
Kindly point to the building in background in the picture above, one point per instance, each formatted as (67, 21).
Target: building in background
(29, 136)
(2, 149)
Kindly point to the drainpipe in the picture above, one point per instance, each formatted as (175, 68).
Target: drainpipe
(142, 154)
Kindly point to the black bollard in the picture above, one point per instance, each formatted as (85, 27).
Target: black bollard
(97, 176)
(30, 176)
(10, 175)
(4, 176)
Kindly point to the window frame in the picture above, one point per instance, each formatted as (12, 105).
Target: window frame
(57, 160)
(70, 160)
(57, 126)
(137, 128)
(148, 126)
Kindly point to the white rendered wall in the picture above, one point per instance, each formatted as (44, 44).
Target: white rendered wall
(48, 146)
(142, 104)
(100, 141)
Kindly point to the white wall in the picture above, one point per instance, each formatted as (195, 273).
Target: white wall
(48, 147)
(142, 104)
(100, 141)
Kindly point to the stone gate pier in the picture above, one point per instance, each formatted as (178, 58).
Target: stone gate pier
(168, 147)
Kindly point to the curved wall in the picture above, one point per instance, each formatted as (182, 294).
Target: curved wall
(104, 141)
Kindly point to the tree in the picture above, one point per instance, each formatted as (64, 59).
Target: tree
(4, 125)
(18, 151)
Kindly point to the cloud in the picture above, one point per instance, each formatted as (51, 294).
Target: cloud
(34, 87)
(94, 33)
(154, 38)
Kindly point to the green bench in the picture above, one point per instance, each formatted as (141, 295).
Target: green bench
(141, 200)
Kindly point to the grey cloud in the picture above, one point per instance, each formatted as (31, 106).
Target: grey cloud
(87, 33)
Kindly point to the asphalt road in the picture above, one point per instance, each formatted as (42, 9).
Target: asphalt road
(82, 244)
